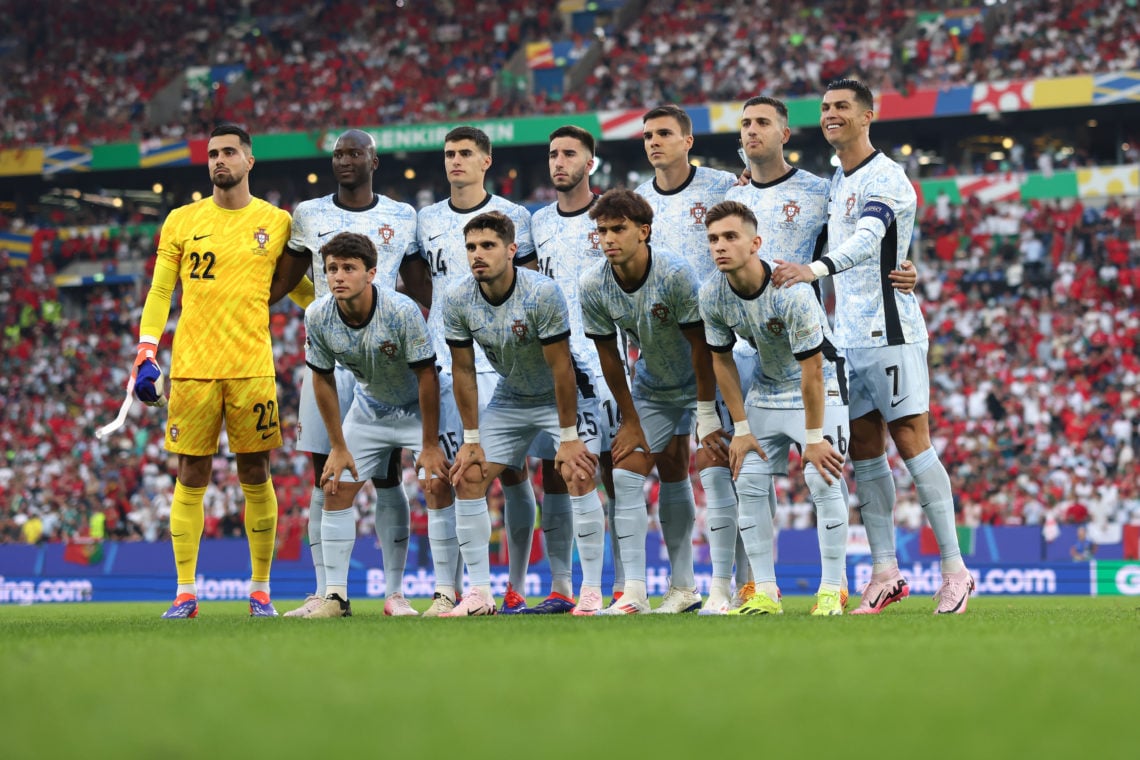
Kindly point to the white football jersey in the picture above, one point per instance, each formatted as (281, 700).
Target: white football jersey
(653, 317)
(380, 353)
(877, 199)
(390, 225)
(679, 215)
(791, 215)
(442, 245)
(512, 333)
(785, 326)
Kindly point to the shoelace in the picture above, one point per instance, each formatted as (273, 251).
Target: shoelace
(514, 598)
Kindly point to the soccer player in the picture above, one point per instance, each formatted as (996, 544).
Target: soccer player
(650, 295)
(680, 195)
(381, 337)
(796, 398)
(226, 251)
(520, 320)
(883, 335)
(391, 226)
(466, 158)
(566, 242)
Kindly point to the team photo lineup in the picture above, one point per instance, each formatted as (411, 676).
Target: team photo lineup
(598, 336)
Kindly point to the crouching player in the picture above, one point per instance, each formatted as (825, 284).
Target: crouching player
(520, 320)
(797, 393)
(380, 335)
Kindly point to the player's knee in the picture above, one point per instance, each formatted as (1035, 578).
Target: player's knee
(471, 485)
(438, 494)
(815, 482)
(753, 485)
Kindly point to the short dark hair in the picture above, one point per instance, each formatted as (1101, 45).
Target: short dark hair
(351, 245)
(474, 134)
(621, 203)
(764, 100)
(495, 221)
(577, 133)
(673, 112)
(730, 208)
(863, 95)
(233, 129)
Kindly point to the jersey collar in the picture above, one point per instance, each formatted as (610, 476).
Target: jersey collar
(862, 163)
(476, 207)
(773, 183)
(369, 207)
(579, 212)
(510, 290)
(371, 313)
(680, 187)
(758, 293)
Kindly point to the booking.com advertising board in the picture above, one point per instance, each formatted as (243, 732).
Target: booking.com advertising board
(144, 572)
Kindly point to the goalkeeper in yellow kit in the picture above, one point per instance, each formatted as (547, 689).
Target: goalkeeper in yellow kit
(228, 252)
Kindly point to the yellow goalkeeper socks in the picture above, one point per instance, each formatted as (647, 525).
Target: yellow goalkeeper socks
(186, 519)
(260, 530)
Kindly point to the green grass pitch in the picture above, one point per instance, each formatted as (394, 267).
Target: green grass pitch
(1050, 677)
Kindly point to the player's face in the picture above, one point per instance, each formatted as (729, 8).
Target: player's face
(347, 278)
(664, 143)
(228, 161)
(570, 163)
(465, 163)
(763, 133)
(621, 239)
(841, 118)
(353, 162)
(732, 242)
(488, 256)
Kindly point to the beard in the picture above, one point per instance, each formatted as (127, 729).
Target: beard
(570, 182)
(226, 181)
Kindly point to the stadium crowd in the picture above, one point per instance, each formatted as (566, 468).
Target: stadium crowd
(1035, 357)
(339, 62)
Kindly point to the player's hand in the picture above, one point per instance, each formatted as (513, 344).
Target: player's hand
(787, 273)
(628, 439)
(825, 458)
(339, 460)
(574, 461)
(904, 278)
(148, 376)
(739, 448)
(717, 444)
(432, 462)
(469, 455)
(745, 178)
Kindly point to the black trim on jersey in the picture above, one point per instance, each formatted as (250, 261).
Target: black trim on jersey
(754, 296)
(816, 255)
(422, 362)
(583, 380)
(862, 163)
(692, 325)
(596, 336)
(887, 253)
(371, 312)
(304, 253)
(549, 340)
(375, 202)
(510, 290)
(804, 355)
(773, 183)
(476, 207)
(459, 342)
(526, 259)
(567, 214)
(829, 264)
(645, 277)
(722, 349)
(320, 370)
(680, 187)
(832, 355)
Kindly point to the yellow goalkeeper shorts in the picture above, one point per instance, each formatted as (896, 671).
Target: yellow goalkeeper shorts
(197, 407)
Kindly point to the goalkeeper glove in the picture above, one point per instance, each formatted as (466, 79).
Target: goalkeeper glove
(148, 376)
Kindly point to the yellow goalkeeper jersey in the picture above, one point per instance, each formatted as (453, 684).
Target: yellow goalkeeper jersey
(225, 262)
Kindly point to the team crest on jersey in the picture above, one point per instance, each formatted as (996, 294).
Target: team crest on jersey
(850, 203)
(520, 329)
(174, 431)
(698, 211)
(791, 211)
(261, 237)
(660, 312)
(775, 326)
(389, 349)
(595, 240)
(386, 234)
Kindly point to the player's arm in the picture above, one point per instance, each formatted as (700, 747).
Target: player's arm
(415, 280)
(709, 431)
(146, 375)
(817, 450)
(339, 459)
(304, 294)
(431, 461)
(571, 451)
(291, 267)
(630, 436)
(728, 380)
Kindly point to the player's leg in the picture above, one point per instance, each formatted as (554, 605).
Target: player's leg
(831, 518)
(316, 512)
(720, 517)
(193, 425)
(608, 421)
(558, 534)
(589, 519)
(338, 537)
(393, 528)
(442, 537)
(677, 512)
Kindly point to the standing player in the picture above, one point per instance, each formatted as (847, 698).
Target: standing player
(883, 334)
(466, 158)
(391, 226)
(520, 320)
(226, 251)
(566, 241)
(652, 297)
(680, 195)
(797, 396)
(380, 336)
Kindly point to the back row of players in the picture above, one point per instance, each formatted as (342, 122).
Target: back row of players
(534, 365)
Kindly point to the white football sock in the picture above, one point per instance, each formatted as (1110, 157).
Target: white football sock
(393, 526)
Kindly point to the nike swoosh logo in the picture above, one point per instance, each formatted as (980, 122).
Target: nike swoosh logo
(544, 242)
(622, 538)
(255, 530)
(750, 527)
(867, 504)
(549, 530)
(201, 237)
(433, 237)
(588, 534)
(323, 234)
(177, 535)
(400, 540)
(267, 436)
(464, 544)
(722, 527)
(896, 403)
(833, 527)
(875, 602)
